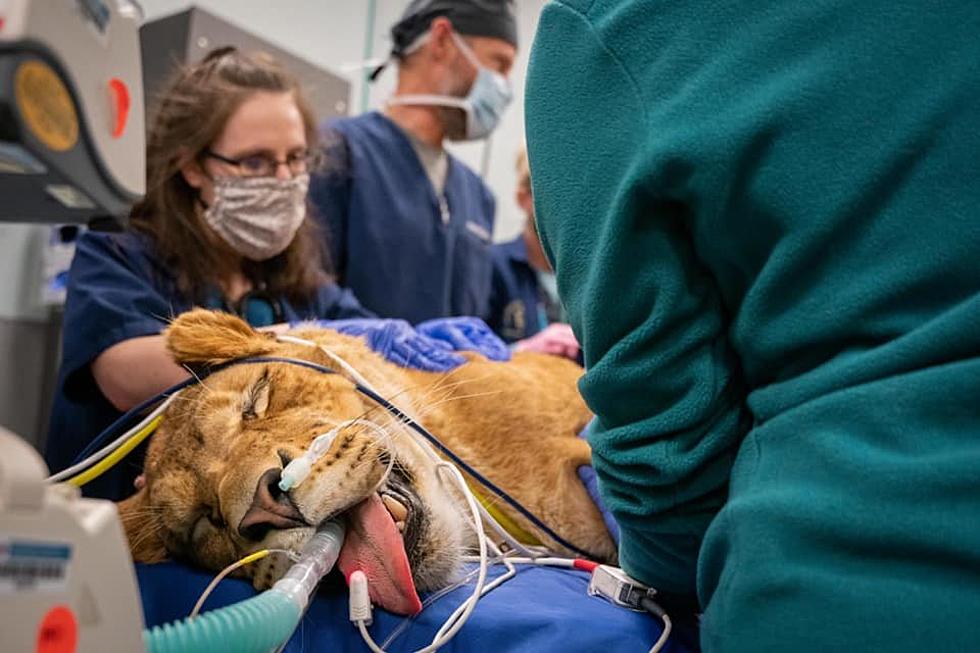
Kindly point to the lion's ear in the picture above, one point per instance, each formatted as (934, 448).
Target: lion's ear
(212, 337)
(142, 527)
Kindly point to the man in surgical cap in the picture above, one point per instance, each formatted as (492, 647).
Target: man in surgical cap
(410, 225)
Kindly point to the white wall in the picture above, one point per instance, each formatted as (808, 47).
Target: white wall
(332, 33)
(21, 269)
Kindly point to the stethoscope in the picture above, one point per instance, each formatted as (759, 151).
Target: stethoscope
(258, 307)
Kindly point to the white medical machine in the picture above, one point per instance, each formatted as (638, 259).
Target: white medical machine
(71, 110)
(66, 580)
(72, 147)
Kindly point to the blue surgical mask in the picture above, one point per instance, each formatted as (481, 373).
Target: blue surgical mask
(484, 105)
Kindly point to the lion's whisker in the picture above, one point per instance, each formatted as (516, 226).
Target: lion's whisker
(430, 407)
(200, 381)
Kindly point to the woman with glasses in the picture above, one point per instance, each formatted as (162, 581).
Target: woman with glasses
(223, 225)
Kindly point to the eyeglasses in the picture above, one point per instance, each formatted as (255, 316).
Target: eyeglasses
(262, 165)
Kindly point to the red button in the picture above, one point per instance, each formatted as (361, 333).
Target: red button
(119, 96)
(58, 632)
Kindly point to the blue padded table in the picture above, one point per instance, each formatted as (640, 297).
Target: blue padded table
(541, 609)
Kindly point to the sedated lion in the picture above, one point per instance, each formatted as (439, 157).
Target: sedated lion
(211, 490)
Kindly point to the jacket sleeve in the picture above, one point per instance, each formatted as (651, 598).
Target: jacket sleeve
(660, 377)
(111, 298)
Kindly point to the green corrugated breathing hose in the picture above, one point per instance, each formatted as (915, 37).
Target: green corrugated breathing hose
(262, 623)
(259, 624)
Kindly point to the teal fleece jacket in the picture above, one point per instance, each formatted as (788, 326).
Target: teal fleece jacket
(765, 222)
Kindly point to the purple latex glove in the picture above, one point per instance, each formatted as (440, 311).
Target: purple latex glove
(466, 334)
(399, 343)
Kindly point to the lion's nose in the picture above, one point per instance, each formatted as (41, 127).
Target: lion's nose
(271, 508)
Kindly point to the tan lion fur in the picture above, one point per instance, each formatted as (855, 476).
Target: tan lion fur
(516, 422)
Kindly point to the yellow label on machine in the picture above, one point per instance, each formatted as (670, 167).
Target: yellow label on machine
(46, 105)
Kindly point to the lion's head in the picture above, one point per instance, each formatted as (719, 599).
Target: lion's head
(211, 492)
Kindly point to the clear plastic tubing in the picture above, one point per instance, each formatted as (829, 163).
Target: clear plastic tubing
(262, 623)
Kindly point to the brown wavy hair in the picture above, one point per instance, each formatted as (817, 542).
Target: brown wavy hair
(191, 114)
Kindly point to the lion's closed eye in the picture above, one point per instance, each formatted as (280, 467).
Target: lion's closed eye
(255, 400)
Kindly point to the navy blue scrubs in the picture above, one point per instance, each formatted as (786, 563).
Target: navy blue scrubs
(117, 290)
(403, 250)
(517, 307)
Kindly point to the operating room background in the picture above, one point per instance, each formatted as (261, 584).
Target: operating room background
(337, 33)
(328, 33)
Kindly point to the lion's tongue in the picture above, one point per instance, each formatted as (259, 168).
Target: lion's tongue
(374, 545)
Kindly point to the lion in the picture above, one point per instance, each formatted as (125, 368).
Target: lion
(210, 491)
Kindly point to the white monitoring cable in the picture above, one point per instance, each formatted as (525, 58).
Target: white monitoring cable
(456, 621)
(489, 587)
(653, 607)
(359, 378)
(347, 367)
(112, 446)
(459, 617)
(425, 444)
(462, 581)
(258, 555)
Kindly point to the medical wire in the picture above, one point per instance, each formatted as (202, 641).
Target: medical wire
(449, 453)
(462, 613)
(114, 446)
(483, 480)
(509, 562)
(434, 597)
(359, 378)
(347, 367)
(652, 607)
(457, 614)
(127, 417)
(86, 457)
(252, 557)
(467, 607)
(459, 617)
(404, 420)
(109, 461)
(501, 558)
(569, 563)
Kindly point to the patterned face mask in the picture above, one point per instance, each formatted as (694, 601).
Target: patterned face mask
(258, 216)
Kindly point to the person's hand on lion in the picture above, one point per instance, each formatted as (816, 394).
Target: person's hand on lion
(399, 343)
(466, 334)
(430, 347)
(556, 339)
